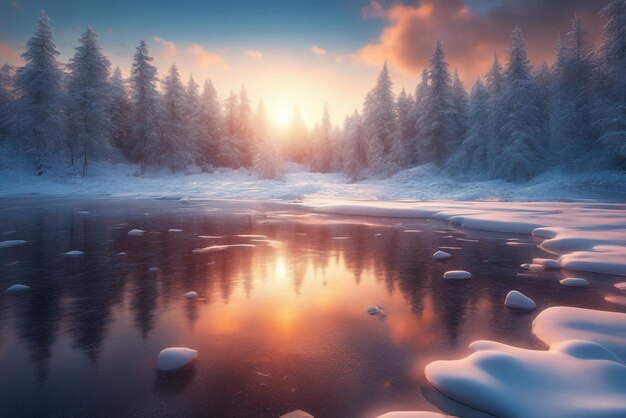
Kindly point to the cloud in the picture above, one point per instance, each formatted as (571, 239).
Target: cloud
(252, 53)
(170, 49)
(205, 59)
(318, 51)
(171, 52)
(470, 36)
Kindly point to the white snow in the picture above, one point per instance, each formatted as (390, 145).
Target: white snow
(620, 285)
(457, 275)
(174, 230)
(297, 414)
(516, 299)
(18, 288)
(122, 254)
(412, 231)
(74, 253)
(174, 358)
(413, 414)
(153, 269)
(548, 263)
(441, 255)
(136, 232)
(191, 295)
(574, 282)
(11, 243)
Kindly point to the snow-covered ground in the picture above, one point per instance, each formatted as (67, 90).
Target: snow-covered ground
(419, 183)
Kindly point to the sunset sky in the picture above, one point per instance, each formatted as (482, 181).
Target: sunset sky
(301, 52)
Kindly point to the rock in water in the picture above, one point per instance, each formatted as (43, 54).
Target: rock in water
(191, 295)
(620, 286)
(457, 275)
(515, 299)
(441, 255)
(136, 232)
(18, 288)
(174, 358)
(297, 414)
(574, 282)
(12, 243)
(374, 310)
(74, 253)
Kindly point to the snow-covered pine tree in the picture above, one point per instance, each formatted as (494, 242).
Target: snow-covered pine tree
(120, 112)
(436, 125)
(193, 120)
(416, 111)
(521, 146)
(613, 106)
(211, 124)
(544, 87)
(245, 129)
(88, 101)
(460, 103)
(353, 148)
(177, 147)
(228, 151)
(379, 122)
(267, 161)
(472, 155)
(494, 83)
(7, 101)
(402, 149)
(297, 146)
(40, 129)
(323, 152)
(144, 142)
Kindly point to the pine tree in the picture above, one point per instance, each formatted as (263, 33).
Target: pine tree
(245, 129)
(495, 85)
(40, 129)
(211, 123)
(7, 101)
(402, 145)
(229, 153)
(89, 99)
(267, 162)
(193, 120)
(120, 112)
(323, 154)
(460, 101)
(417, 110)
(379, 122)
(177, 147)
(353, 148)
(435, 125)
(144, 146)
(472, 156)
(297, 146)
(520, 137)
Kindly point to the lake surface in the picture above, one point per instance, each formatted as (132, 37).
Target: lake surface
(279, 326)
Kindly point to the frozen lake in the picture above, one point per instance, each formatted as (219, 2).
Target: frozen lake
(280, 323)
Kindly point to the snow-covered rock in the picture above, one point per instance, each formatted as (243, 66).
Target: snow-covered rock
(297, 414)
(122, 254)
(18, 288)
(532, 266)
(412, 231)
(516, 299)
(574, 282)
(174, 230)
(620, 286)
(12, 243)
(136, 232)
(191, 295)
(441, 255)
(374, 310)
(457, 275)
(74, 253)
(547, 263)
(413, 414)
(174, 358)
(153, 269)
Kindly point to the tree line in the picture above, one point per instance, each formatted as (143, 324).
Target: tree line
(516, 123)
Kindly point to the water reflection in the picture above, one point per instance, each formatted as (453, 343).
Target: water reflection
(280, 326)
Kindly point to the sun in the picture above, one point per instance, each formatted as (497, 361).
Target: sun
(282, 117)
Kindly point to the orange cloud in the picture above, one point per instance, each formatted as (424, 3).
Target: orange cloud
(469, 38)
(205, 59)
(318, 50)
(252, 53)
(10, 54)
(171, 53)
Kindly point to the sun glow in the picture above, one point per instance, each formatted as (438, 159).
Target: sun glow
(282, 116)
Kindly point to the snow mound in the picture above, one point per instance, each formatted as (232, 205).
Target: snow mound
(174, 358)
(618, 300)
(574, 282)
(374, 310)
(11, 243)
(122, 254)
(441, 255)
(136, 232)
(457, 275)
(252, 236)
(413, 414)
(620, 286)
(74, 253)
(412, 231)
(174, 230)
(191, 295)
(532, 266)
(547, 263)
(214, 248)
(558, 324)
(297, 414)
(18, 288)
(603, 259)
(515, 299)
(153, 269)
(209, 237)
(513, 382)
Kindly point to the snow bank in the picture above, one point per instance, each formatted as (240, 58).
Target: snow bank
(574, 282)
(457, 275)
(174, 358)
(11, 243)
(412, 414)
(516, 299)
(18, 288)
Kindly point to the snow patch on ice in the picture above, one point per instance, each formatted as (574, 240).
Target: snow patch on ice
(136, 232)
(413, 414)
(18, 288)
(11, 243)
(574, 282)
(516, 299)
(174, 358)
(441, 255)
(74, 253)
(457, 275)
(297, 414)
(191, 295)
(214, 248)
